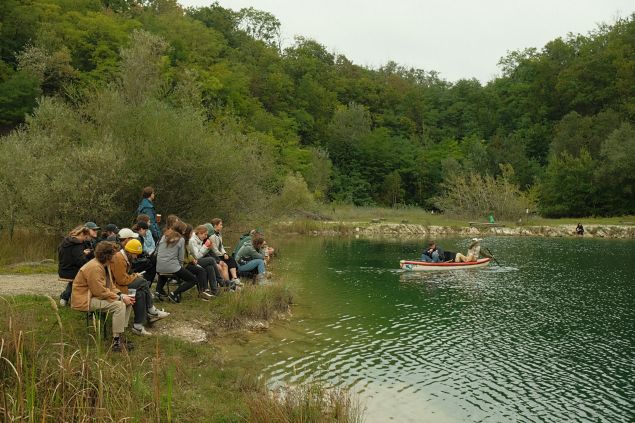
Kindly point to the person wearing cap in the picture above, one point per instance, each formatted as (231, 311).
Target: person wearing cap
(91, 242)
(93, 290)
(109, 233)
(144, 309)
(473, 252)
(146, 206)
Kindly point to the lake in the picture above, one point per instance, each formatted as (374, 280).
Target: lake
(547, 336)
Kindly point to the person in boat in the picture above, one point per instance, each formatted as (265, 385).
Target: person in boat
(579, 230)
(473, 252)
(433, 254)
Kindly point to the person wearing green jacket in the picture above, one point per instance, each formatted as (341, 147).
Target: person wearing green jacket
(249, 257)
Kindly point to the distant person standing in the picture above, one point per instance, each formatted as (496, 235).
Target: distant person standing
(579, 230)
(146, 206)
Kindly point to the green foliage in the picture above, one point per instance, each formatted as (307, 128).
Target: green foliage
(568, 187)
(355, 134)
(473, 196)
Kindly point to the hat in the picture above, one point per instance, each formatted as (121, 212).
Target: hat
(91, 225)
(127, 233)
(111, 227)
(134, 247)
(142, 225)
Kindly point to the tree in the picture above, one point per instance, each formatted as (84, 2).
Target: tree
(568, 187)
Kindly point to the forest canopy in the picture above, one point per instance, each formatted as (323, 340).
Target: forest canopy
(99, 98)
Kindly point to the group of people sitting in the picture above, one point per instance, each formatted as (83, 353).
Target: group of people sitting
(114, 272)
(436, 254)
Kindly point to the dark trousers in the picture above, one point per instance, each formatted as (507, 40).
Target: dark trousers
(201, 276)
(66, 295)
(143, 299)
(212, 272)
(189, 280)
(147, 264)
(231, 263)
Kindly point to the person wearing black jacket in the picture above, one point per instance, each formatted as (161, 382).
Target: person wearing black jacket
(72, 254)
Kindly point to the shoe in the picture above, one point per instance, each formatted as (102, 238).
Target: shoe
(63, 302)
(160, 295)
(119, 345)
(237, 282)
(141, 331)
(205, 296)
(175, 298)
(160, 314)
(212, 293)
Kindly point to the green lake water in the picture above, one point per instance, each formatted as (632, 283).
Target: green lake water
(548, 336)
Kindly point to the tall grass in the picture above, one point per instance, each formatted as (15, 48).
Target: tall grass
(312, 403)
(253, 303)
(43, 381)
(27, 245)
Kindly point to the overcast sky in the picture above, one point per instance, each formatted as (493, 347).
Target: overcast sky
(458, 39)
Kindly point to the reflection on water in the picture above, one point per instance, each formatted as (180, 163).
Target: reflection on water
(547, 336)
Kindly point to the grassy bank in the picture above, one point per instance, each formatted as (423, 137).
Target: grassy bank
(52, 367)
(345, 219)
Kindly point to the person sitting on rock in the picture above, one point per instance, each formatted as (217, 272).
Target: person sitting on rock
(250, 257)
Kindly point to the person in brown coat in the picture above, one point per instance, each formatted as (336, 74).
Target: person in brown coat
(94, 290)
(144, 309)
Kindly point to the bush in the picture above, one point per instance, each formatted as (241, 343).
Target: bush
(476, 196)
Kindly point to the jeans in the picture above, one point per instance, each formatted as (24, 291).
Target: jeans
(143, 299)
(213, 275)
(149, 265)
(66, 295)
(434, 259)
(201, 276)
(252, 264)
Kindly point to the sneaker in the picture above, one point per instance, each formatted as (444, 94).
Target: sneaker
(120, 345)
(63, 302)
(212, 293)
(158, 315)
(237, 282)
(205, 296)
(160, 295)
(141, 331)
(174, 297)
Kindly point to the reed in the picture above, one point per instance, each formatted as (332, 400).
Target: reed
(310, 403)
(253, 303)
(61, 380)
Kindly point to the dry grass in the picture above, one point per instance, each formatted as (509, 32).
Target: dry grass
(311, 403)
(63, 381)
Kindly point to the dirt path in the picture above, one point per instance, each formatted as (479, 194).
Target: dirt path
(38, 284)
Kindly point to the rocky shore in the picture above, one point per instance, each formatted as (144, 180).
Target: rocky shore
(414, 230)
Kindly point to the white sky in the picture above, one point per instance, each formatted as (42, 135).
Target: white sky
(457, 38)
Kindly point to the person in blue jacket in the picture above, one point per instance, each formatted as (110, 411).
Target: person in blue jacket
(146, 206)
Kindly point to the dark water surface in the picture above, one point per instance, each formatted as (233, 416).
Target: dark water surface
(550, 336)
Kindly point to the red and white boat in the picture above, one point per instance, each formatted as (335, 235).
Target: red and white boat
(427, 266)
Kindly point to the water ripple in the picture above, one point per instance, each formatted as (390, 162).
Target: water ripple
(531, 340)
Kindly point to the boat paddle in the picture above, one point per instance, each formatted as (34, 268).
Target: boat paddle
(492, 256)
